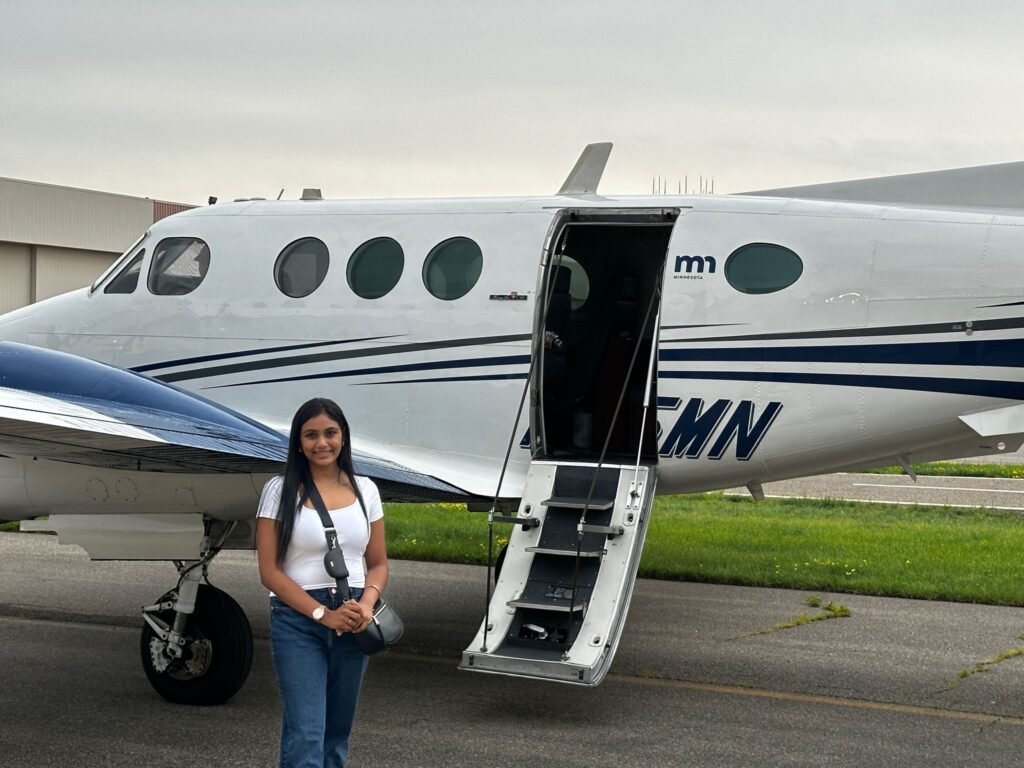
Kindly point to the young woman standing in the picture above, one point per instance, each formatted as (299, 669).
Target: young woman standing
(318, 664)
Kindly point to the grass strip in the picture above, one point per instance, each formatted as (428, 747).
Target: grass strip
(935, 553)
(815, 545)
(957, 469)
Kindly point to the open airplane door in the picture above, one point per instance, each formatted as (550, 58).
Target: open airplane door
(559, 605)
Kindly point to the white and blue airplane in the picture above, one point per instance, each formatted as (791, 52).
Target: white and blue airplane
(549, 359)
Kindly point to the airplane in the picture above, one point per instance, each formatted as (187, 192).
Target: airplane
(552, 361)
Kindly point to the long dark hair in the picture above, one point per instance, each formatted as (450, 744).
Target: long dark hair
(297, 477)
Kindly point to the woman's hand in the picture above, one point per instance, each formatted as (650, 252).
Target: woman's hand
(350, 616)
(365, 615)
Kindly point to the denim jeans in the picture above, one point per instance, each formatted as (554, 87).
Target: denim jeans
(319, 674)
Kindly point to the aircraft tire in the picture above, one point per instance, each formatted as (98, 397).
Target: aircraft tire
(218, 652)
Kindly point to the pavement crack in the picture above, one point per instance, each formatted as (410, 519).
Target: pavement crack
(830, 610)
(986, 665)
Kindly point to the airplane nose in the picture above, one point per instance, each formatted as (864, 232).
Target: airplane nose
(14, 326)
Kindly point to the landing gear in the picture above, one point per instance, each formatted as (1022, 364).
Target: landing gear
(196, 642)
(205, 663)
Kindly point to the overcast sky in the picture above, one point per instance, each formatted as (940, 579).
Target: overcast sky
(370, 98)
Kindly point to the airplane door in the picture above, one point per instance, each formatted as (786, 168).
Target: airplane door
(594, 336)
(560, 602)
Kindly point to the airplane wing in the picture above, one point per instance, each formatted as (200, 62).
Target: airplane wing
(985, 186)
(66, 408)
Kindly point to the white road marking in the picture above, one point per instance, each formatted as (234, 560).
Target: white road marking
(934, 488)
(881, 501)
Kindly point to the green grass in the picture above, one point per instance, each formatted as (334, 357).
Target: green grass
(816, 545)
(441, 533)
(834, 546)
(9, 527)
(957, 469)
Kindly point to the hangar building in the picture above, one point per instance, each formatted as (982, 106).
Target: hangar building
(55, 239)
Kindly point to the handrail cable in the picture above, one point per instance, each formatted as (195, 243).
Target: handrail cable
(549, 289)
(604, 450)
(655, 338)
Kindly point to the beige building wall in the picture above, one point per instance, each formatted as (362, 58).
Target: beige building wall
(45, 214)
(15, 276)
(56, 239)
(59, 270)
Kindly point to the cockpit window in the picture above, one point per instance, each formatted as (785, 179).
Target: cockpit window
(179, 266)
(119, 262)
(127, 278)
(762, 268)
(301, 267)
(452, 268)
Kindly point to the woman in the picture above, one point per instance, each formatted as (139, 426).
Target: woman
(319, 666)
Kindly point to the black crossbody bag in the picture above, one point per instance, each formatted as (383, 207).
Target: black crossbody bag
(385, 627)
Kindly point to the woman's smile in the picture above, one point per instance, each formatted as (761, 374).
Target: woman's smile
(321, 440)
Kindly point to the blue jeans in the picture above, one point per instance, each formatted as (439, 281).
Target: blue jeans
(319, 674)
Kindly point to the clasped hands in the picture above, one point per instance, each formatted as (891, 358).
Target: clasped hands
(350, 616)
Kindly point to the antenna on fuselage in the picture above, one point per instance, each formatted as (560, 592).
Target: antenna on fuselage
(586, 174)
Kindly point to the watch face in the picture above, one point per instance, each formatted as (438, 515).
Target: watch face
(318, 612)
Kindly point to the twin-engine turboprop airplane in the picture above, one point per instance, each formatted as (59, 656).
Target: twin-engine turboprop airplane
(558, 354)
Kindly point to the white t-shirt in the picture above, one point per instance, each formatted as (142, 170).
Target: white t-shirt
(304, 560)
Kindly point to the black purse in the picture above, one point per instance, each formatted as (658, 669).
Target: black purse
(385, 627)
(383, 631)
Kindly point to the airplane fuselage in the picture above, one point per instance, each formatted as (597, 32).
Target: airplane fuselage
(899, 321)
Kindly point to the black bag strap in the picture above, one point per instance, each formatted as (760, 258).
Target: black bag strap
(334, 553)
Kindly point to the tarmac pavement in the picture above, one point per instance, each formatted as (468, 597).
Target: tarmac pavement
(990, 492)
(692, 684)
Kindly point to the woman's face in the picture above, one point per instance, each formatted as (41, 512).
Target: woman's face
(321, 440)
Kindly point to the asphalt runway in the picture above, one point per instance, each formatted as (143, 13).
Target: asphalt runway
(990, 492)
(693, 683)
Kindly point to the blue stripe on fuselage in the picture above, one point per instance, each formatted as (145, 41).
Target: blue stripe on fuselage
(1003, 353)
(1007, 390)
(405, 368)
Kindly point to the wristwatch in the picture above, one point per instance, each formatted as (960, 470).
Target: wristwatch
(318, 613)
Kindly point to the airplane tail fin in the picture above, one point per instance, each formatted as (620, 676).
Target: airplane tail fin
(586, 174)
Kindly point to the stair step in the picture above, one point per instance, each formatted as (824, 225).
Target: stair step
(610, 530)
(573, 502)
(566, 552)
(526, 522)
(558, 605)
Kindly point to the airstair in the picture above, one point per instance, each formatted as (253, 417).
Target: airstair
(559, 604)
(558, 608)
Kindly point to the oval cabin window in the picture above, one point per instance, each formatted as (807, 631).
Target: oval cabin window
(452, 268)
(375, 267)
(301, 267)
(762, 268)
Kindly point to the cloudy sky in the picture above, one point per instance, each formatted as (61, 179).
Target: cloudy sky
(371, 98)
